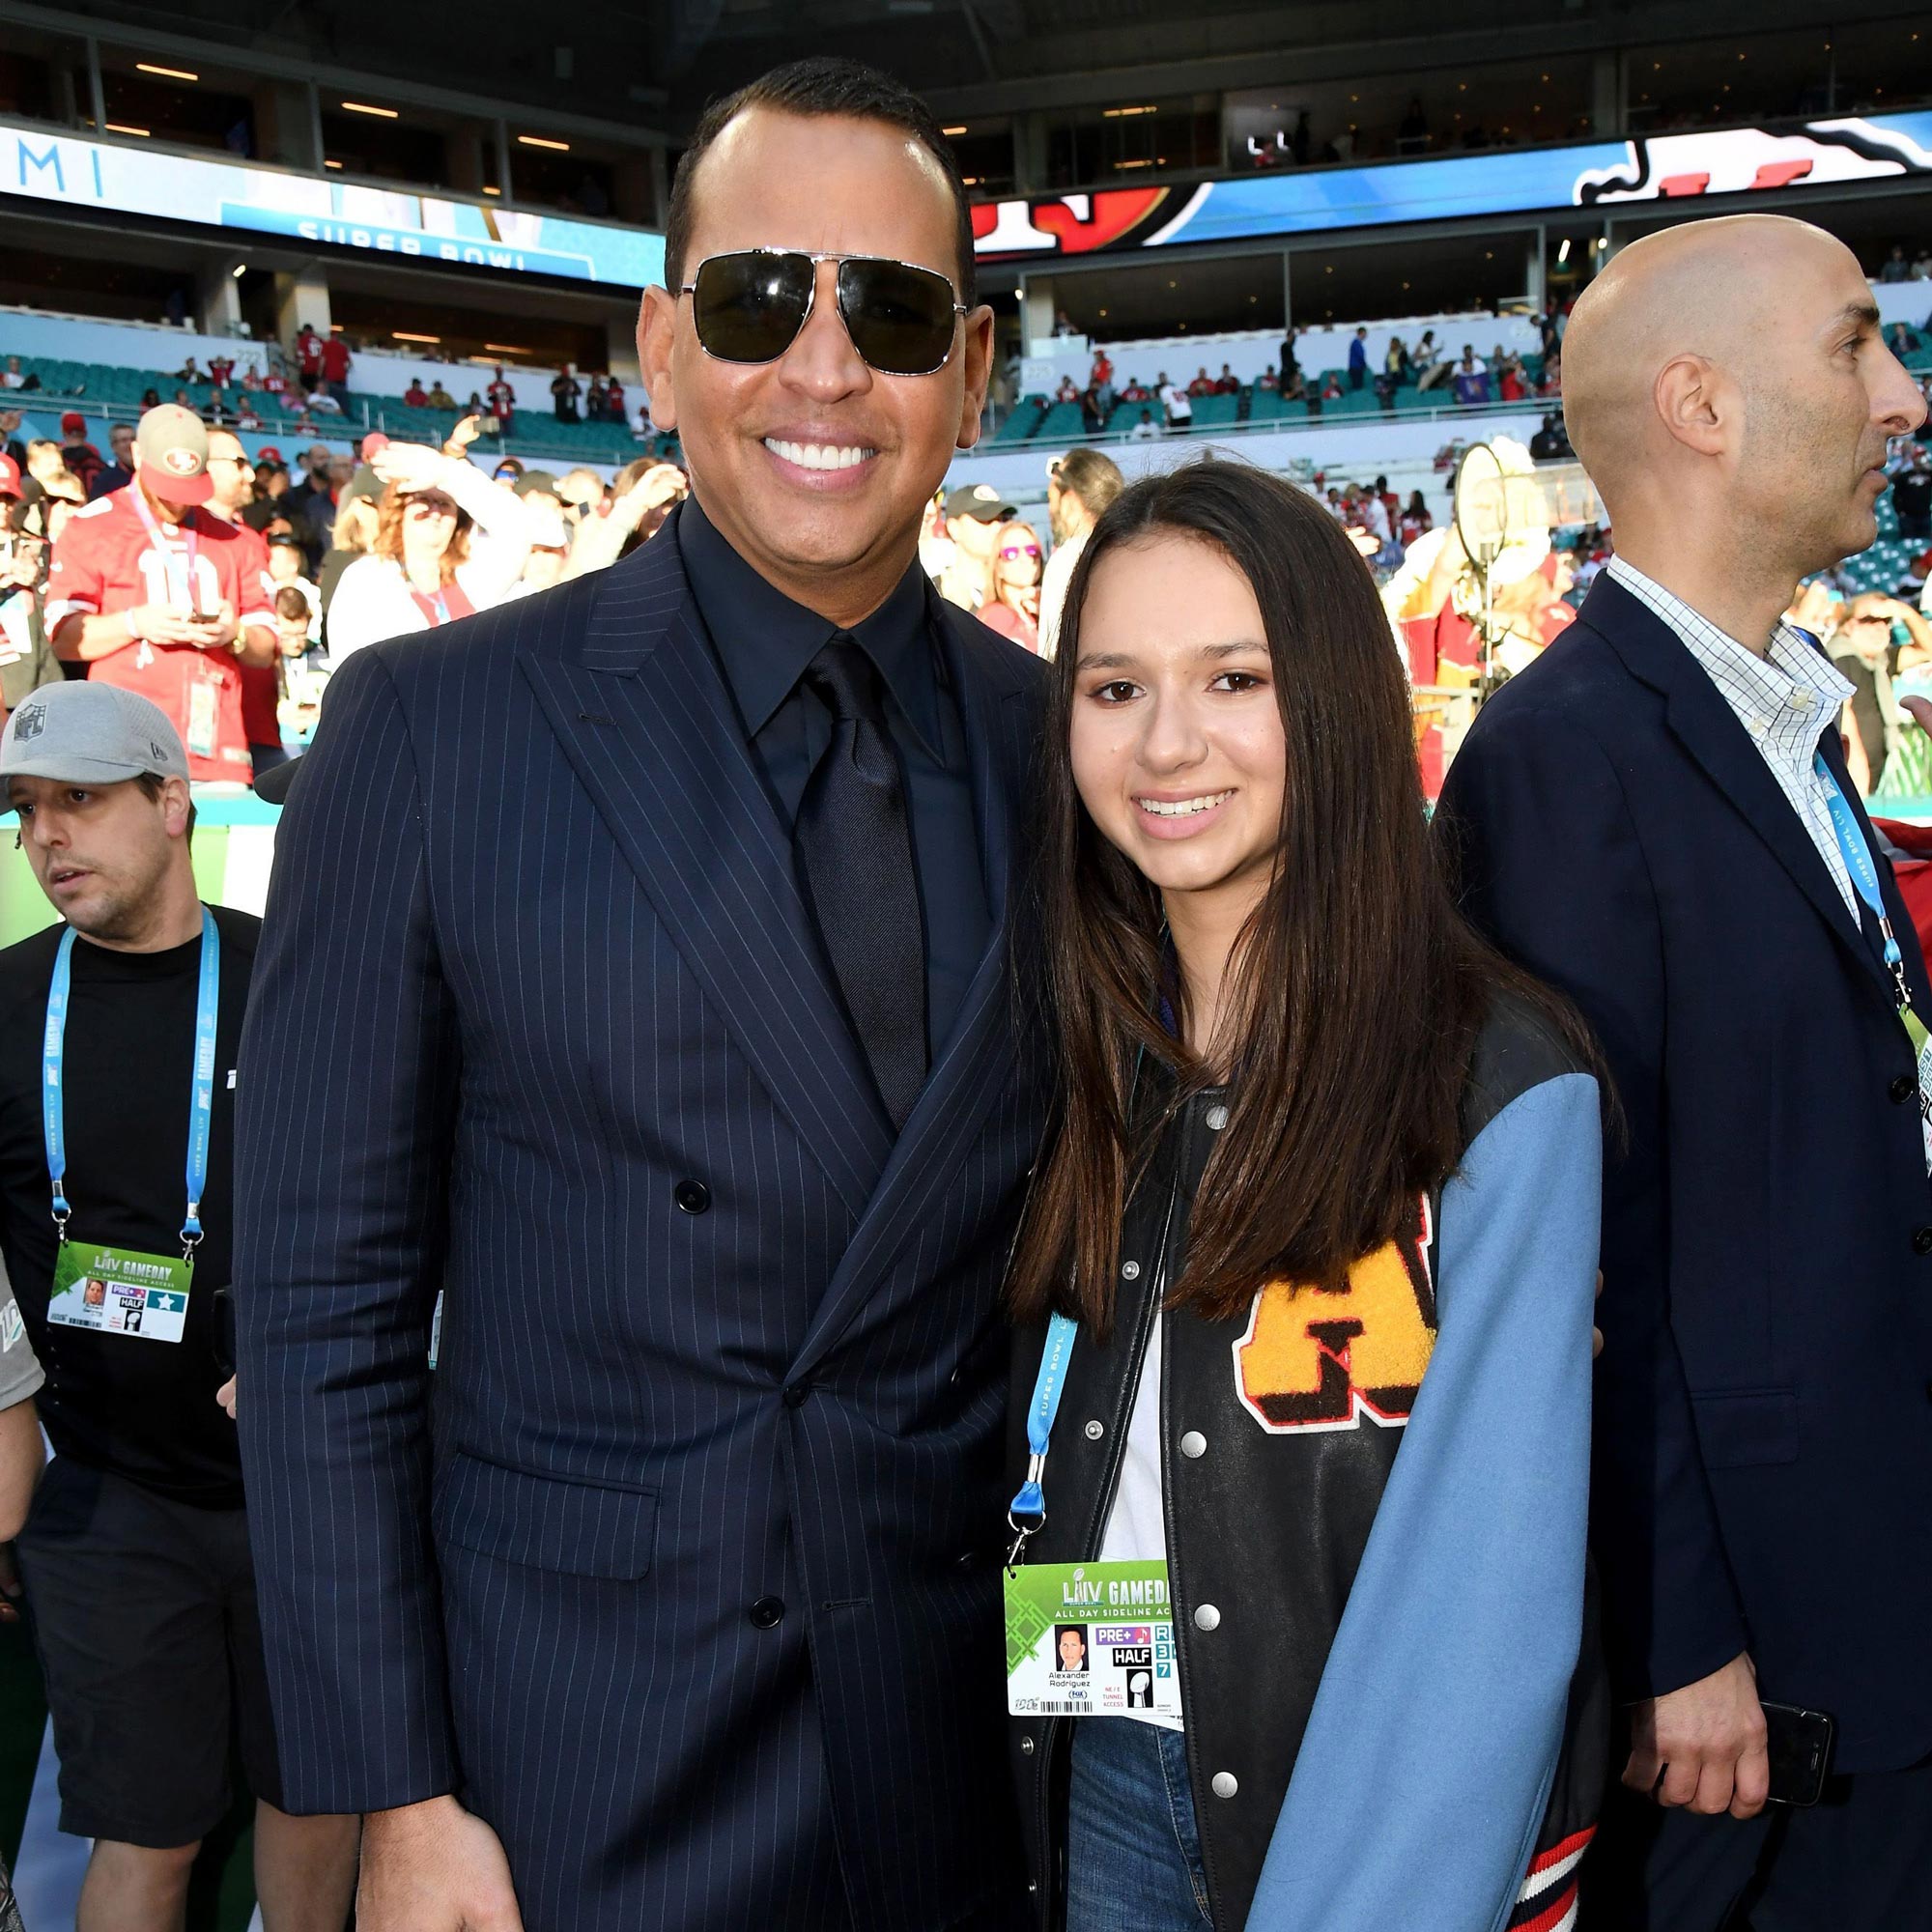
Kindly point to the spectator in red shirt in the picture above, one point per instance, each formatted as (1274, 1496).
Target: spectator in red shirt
(219, 369)
(502, 401)
(613, 402)
(1228, 383)
(336, 359)
(1202, 386)
(153, 593)
(308, 355)
(415, 395)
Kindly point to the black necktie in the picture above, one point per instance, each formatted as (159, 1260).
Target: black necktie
(855, 856)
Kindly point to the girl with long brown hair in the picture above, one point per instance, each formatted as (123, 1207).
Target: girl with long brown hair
(1322, 1189)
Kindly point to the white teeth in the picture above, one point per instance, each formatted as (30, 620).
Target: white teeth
(820, 455)
(1181, 808)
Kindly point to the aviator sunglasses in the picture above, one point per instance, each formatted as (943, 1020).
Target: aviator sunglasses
(748, 306)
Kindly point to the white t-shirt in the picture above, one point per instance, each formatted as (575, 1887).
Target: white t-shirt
(1053, 583)
(1174, 399)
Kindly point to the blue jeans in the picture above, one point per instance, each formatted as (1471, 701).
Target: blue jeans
(1133, 1856)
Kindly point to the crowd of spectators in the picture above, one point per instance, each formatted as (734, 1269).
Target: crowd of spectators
(226, 588)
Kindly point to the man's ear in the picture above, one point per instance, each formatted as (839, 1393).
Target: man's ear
(1695, 402)
(176, 802)
(977, 354)
(657, 335)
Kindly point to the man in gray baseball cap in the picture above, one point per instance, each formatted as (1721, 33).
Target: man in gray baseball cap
(116, 1232)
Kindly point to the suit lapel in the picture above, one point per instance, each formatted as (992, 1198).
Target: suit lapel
(1710, 731)
(999, 702)
(642, 713)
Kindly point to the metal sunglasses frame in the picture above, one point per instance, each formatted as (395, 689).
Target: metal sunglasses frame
(959, 308)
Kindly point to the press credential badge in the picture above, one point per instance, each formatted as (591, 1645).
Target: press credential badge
(120, 1292)
(1091, 1640)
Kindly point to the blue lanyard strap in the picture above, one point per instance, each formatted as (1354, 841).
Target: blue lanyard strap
(1858, 858)
(201, 1091)
(1047, 1389)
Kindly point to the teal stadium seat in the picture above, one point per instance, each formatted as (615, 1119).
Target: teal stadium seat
(1024, 421)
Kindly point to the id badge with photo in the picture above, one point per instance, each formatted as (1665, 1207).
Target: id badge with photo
(1091, 1640)
(120, 1292)
(204, 703)
(1921, 1045)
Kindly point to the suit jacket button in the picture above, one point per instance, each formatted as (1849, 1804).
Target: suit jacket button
(797, 1394)
(767, 1613)
(1902, 1088)
(1921, 1241)
(693, 1196)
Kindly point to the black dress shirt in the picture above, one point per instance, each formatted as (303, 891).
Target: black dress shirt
(764, 643)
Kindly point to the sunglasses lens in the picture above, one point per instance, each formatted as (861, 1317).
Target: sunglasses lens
(749, 307)
(901, 318)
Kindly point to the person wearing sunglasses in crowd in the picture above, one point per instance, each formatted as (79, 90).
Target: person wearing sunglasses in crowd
(449, 543)
(1011, 606)
(1304, 1282)
(681, 1065)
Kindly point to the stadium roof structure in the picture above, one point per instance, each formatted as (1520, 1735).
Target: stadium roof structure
(653, 63)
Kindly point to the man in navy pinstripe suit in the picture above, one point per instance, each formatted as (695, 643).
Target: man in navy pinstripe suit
(634, 977)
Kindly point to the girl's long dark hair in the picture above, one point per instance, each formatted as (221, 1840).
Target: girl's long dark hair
(1358, 988)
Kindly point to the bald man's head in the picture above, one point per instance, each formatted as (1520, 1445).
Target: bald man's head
(1704, 288)
(1730, 370)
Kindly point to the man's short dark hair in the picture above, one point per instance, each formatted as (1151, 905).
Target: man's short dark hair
(823, 85)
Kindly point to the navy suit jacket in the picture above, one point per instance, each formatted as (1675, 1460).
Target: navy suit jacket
(682, 1568)
(1764, 1400)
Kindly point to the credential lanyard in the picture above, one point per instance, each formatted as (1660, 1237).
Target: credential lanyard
(200, 1090)
(183, 585)
(1048, 1387)
(1858, 858)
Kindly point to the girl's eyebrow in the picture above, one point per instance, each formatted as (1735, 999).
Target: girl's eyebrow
(1121, 660)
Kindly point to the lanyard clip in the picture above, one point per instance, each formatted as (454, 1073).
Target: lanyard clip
(62, 1214)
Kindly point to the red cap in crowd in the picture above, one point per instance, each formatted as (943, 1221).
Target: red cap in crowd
(10, 477)
(267, 453)
(171, 454)
(372, 444)
(73, 423)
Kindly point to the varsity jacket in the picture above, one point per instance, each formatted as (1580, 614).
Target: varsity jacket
(1376, 1503)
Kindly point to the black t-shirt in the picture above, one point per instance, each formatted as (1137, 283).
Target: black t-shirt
(140, 1407)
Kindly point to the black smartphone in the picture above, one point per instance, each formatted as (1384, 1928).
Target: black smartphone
(1800, 1744)
(223, 1337)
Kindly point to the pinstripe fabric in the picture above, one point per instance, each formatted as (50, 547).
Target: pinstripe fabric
(534, 955)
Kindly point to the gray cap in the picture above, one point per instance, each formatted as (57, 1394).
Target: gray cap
(88, 733)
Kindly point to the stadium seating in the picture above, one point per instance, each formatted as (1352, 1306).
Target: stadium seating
(101, 389)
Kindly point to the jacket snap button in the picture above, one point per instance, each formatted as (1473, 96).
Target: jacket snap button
(1096, 1430)
(1216, 1118)
(1921, 1241)
(1193, 1444)
(693, 1196)
(767, 1613)
(1902, 1088)
(1226, 1784)
(1026, 1746)
(1130, 1270)
(1207, 1617)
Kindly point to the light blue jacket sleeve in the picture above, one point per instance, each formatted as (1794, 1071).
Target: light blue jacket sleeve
(1428, 1755)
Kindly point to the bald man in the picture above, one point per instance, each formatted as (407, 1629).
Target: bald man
(1656, 816)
